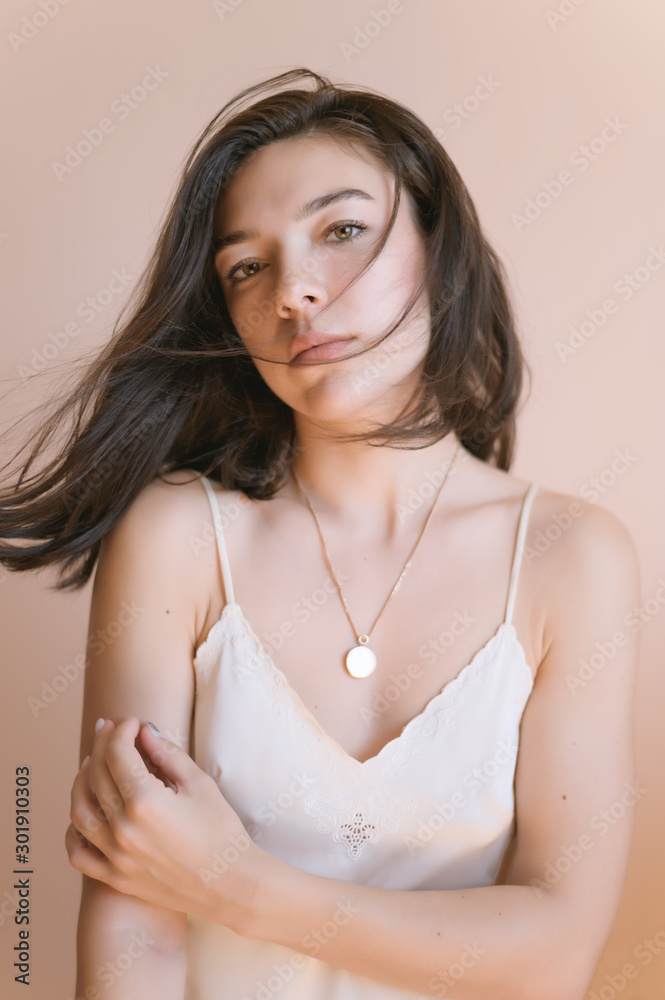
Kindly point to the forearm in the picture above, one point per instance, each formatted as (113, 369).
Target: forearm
(502, 941)
(127, 949)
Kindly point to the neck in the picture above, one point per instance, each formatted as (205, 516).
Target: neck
(371, 490)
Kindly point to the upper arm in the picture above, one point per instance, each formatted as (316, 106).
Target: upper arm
(575, 788)
(145, 613)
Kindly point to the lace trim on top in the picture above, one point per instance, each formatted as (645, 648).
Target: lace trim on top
(232, 625)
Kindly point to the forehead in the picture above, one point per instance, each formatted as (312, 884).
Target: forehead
(288, 173)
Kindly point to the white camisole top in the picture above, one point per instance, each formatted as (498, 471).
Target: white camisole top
(434, 809)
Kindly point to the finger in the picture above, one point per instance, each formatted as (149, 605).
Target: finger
(126, 765)
(74, 837)
(175, 763)
(86, 858)
(99, 774)
(86, 814)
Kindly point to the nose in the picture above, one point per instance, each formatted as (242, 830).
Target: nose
(299, 288)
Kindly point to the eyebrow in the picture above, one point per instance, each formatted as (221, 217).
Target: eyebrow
(323, 201)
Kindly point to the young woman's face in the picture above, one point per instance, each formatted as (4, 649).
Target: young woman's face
(296, 224)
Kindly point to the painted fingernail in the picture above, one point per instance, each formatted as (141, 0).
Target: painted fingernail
(153, 729)
(85, 761)
(99, 724)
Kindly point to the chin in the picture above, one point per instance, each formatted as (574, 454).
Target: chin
(343, 403)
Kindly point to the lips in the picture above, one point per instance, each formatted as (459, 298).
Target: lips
(308, 341)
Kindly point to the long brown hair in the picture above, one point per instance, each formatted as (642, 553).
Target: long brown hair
(175, 388)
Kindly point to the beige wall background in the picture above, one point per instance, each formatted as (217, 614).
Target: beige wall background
(538, 82)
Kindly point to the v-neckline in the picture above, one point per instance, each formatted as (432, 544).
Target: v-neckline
(504, 628)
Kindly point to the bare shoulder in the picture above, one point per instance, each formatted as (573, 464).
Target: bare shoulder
(579, 557)
(563, 531)
(172, 494)
(165, 543)
(579, 524)
(579, 561)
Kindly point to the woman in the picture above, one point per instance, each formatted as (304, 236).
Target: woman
(336, 807)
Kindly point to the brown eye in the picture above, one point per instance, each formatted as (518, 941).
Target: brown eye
(345, 231)
(252, 263)
(240, 267)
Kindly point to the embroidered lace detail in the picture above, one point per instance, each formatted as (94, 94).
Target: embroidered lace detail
(230, 626)
(356, 822)
(356, 833)
(416, 737)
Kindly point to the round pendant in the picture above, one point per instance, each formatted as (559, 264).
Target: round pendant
(360, 661)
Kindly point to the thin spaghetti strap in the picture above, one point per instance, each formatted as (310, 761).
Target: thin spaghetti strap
(519, 546)
(221, 545)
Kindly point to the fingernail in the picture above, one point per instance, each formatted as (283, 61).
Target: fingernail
(153, 729)
(99, 724)
(85, 761)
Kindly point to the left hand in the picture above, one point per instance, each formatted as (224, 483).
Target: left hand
(180, 847)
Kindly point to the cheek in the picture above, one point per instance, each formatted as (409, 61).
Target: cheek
(395, 275)
(253, 317)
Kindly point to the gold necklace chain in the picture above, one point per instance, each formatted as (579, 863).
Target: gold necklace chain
(362, 664)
